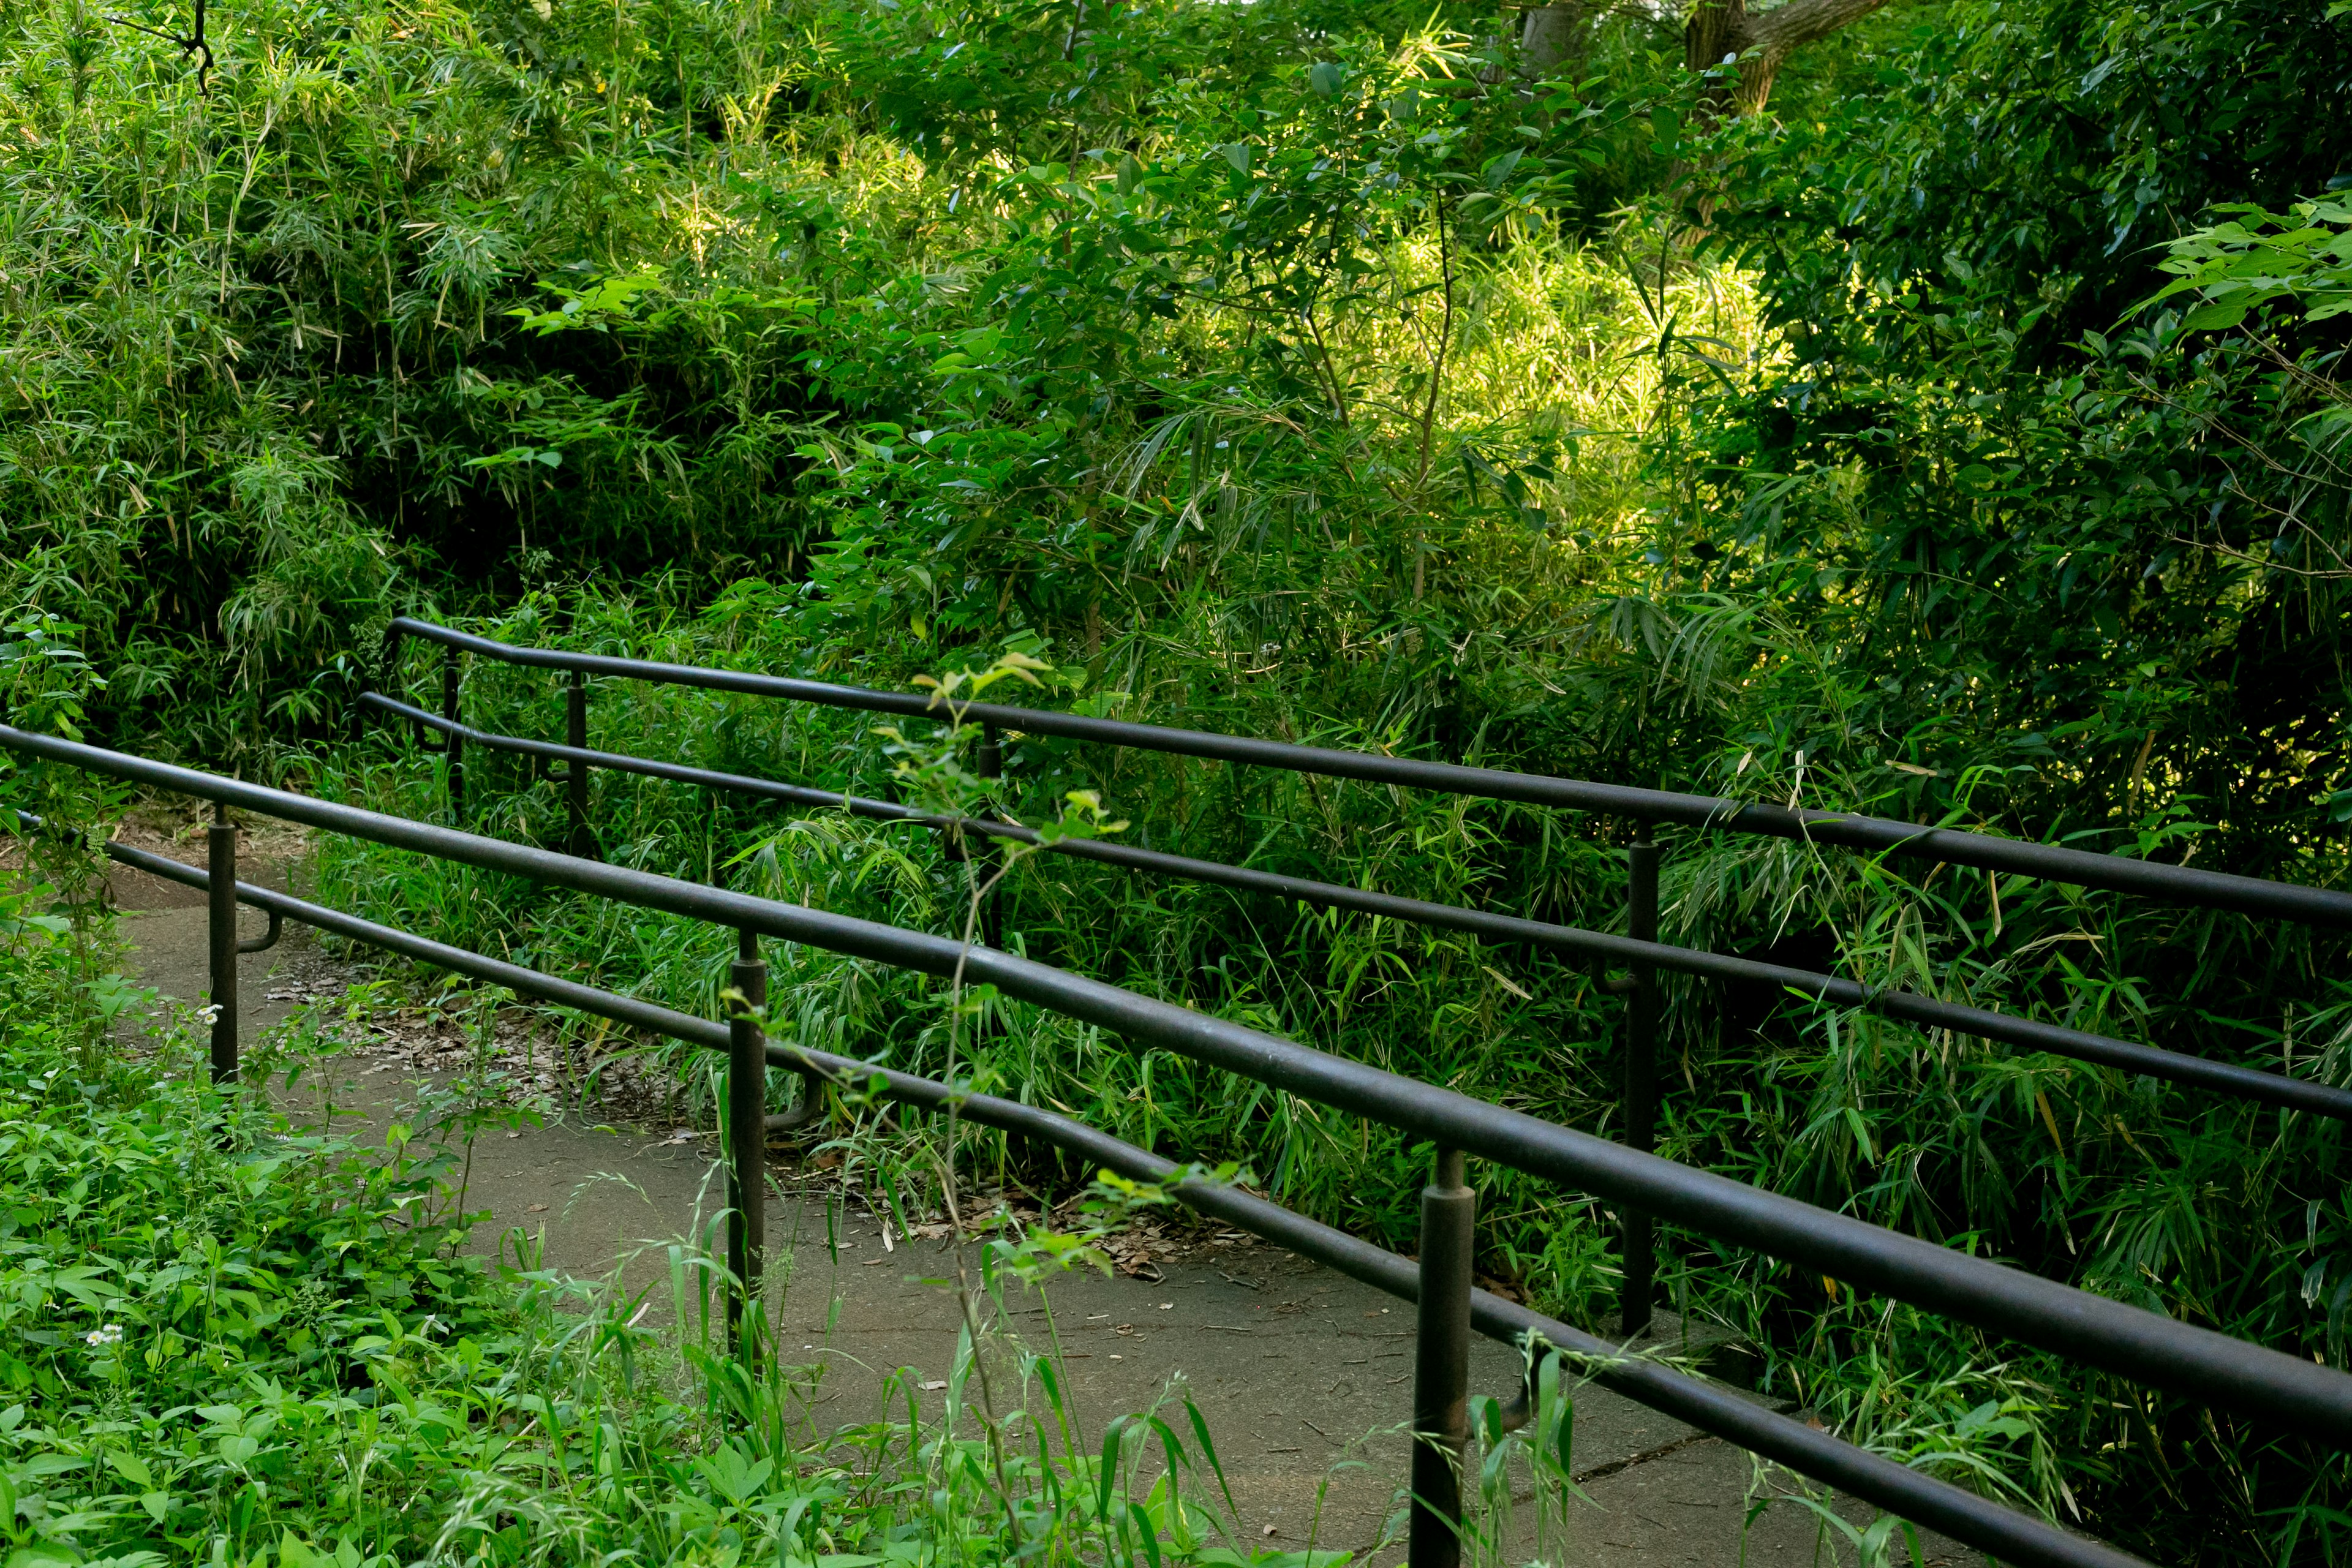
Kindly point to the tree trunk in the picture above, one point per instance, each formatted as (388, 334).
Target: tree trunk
(1721, 31)
(1552, 39)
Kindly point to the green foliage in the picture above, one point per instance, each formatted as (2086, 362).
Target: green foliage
(1302, 371)
(2304, 255)
(46, 686)
(218, 1328)
(1984, 544)
(436, 305)
(2107, 554)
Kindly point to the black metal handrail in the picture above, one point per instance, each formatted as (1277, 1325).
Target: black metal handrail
(1810, 1451)
(2180, 884)
(2245, 1083)
(1639, 1099)
(2139, 1345)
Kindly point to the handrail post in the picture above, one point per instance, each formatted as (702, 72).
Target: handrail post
(1639, 1292)
(388, 676)
(747, 1144)
(1440, 1380)
(988, 761)
(453, 747)
(220, 898)
(580, 841)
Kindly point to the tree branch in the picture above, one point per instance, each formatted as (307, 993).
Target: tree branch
(193, 44)
(1721, 31)
(1785, 29)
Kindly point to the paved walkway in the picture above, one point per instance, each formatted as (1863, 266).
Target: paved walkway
(1303, 1375)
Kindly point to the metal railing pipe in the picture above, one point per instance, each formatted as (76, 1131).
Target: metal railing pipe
(2139, 1345)
(1441, 1368)
(2245, 1083)
(2178, 884)
(221, 944)
(1964, 1516)
(581, 839)
(453, 716)
(267, 939)
(988, 762)
(1640, 1097)
(747, 1141)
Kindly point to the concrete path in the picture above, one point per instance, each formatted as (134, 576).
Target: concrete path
(1303, 1375)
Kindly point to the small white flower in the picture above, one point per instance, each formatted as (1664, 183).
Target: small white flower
(111, 1334)
(209, 1014)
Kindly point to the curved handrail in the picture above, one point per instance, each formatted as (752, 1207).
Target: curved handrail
(2112, 873)
(2139, 1345)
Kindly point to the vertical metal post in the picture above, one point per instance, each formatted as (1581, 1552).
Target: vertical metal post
(388, 678)
(1641, 1082)
(454, 747)
(220, 843)
(988, 761)
(711, 799)
(578, 841)
(747, 1142)
(1441, 1380)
